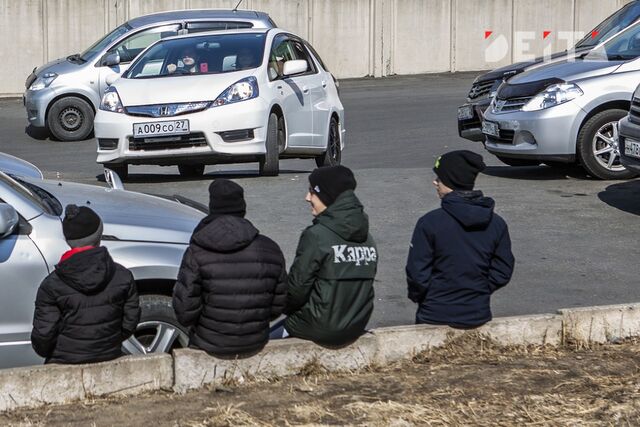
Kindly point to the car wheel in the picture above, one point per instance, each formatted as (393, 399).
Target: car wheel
(518, 162)
(333, 155)
(158, 331)
(122, 169)
(598, 150)
(70, 119)
(270, 163)
(191, 171)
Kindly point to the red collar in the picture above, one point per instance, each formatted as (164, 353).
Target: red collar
(72, 252)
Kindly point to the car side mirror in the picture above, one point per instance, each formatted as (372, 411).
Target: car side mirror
(111, 78)
(8, 220)
(296, 66)
(110, 59)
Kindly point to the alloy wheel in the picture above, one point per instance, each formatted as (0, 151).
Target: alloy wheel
(605, 147)
(155, 337)
(334, 145)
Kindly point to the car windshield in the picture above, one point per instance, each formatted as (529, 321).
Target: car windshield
(623, 47)
(35, 194)
(207, 54)
(611, 26)
(104, 42)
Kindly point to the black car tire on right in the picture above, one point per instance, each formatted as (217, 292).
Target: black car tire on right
(587, 157)
(333, 155)
(270, 162)
(518, 162)
(70, 119)
(158, 308)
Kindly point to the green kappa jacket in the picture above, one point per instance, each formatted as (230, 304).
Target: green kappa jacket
(330, 295)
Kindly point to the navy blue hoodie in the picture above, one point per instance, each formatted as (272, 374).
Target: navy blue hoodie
(460, 254)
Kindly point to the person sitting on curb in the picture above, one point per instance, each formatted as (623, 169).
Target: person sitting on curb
(89, 304)
(330, 296)
(232, 280)
(461, 253)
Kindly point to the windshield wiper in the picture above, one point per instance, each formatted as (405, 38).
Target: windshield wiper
(76, 58)
(619, 57)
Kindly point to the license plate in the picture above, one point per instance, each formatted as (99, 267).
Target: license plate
(490, 128)
(465, 112)
(172, 127)
(632, 148)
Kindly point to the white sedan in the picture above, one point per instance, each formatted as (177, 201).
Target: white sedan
(222, 97)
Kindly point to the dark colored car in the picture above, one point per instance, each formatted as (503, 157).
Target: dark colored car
(485, 86)
(629, 135)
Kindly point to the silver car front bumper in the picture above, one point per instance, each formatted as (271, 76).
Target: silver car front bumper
(36, 103)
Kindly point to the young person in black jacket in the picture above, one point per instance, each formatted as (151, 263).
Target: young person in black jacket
(232, 280)
(461, 253)
(89, 304)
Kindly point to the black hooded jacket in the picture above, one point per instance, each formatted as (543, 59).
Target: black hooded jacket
(85, 309)
(231, 283)
(460, 254)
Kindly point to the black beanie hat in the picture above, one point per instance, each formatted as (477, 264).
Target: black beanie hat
(226, 198)
(329, 182)
(458, 169)
(81, 226)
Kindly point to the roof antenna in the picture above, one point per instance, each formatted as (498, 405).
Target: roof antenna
(236, 8)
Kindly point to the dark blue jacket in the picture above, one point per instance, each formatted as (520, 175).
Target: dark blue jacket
(460, 254)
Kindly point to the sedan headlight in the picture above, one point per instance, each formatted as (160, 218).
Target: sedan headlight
(242, 90)
(553, 95)
(43, 81)
(111, 101)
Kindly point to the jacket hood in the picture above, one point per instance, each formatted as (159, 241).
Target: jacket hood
(224, 233)
(470, 208)
(346, 218)
(87, 272)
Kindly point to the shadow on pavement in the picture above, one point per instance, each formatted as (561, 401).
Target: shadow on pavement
(156, 178)
(537, 173)
(41, 134)
(624, 196)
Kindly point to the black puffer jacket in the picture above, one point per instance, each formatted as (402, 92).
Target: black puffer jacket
(232, 282)
(85, 309)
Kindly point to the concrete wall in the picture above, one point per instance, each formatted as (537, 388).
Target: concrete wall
(356, 38)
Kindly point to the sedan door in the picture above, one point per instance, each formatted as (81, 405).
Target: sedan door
(292, 93)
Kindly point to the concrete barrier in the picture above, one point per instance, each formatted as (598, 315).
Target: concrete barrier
(601, 324)
(191, 369)
(40, 385)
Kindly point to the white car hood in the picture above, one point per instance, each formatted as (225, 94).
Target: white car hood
(176, 89)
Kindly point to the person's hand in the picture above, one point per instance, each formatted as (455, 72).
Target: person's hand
(171, 68)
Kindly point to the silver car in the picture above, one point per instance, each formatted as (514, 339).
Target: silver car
(146, 234)
(568, 112)
(64, 94)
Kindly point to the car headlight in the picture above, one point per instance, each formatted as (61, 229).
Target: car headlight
(241, 90)
(111, 101)
(43, 81)
(553, 95)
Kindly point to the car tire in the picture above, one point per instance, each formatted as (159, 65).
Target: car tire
(598, 142)
(70, 119)
(191, 171)
(270, 162)
(122, 169)
(518, 162)
(158, 322)
(333, 155)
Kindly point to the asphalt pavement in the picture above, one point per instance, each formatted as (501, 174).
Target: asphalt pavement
(574, 238)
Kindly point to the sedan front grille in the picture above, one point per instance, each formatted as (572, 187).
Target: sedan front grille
(195, 139)
(480, 90)
(634, 112)
(166, 110)
(513, 104)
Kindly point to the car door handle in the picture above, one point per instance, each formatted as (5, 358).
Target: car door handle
(305, 89)
(279, 87)
(324, 83)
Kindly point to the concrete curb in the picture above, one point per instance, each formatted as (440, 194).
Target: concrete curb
(39, 385)
(191, 369)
